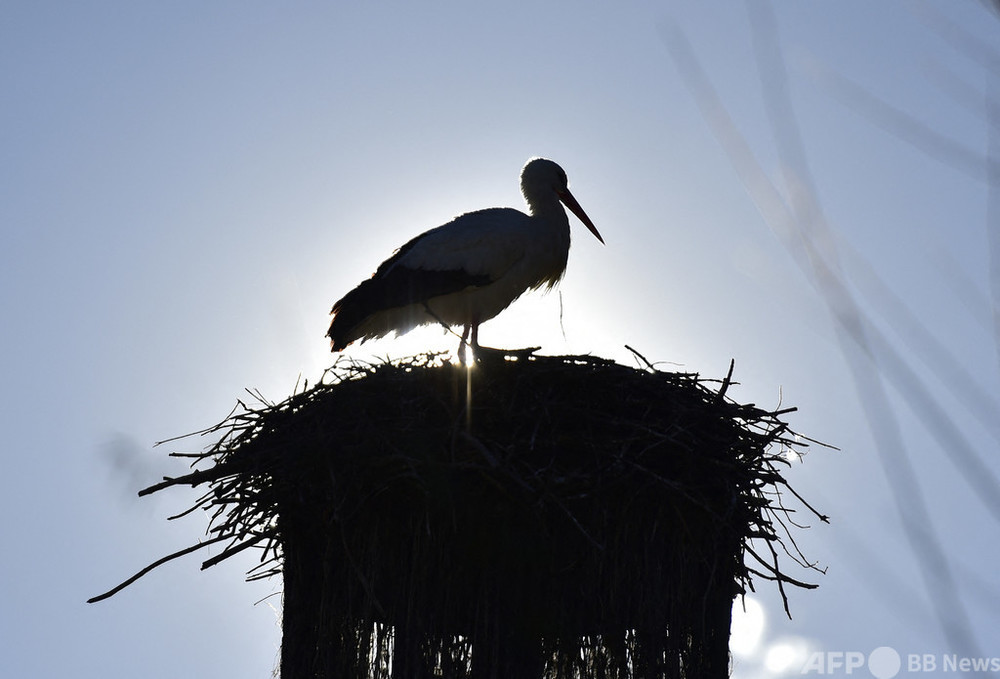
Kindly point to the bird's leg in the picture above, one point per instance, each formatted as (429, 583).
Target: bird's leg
(463, 345)
(474, 338)
(470, 342)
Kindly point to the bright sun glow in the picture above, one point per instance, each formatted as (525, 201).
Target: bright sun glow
(532, 320)
(747, 627)
(787, 655)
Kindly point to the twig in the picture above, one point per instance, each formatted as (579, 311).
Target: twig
(155, 564)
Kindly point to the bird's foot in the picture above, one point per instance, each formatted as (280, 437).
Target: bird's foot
(489, 354)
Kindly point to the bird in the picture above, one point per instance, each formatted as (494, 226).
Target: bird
(468, 270)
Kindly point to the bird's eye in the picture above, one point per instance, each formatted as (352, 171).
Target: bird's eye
(563, 181)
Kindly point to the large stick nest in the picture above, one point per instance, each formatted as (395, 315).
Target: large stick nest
(587, 518)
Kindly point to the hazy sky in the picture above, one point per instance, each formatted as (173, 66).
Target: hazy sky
(186, 187)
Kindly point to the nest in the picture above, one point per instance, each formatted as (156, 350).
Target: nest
(542, 517)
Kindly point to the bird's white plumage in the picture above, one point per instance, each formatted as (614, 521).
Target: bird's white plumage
(468, 270)
(488, 242)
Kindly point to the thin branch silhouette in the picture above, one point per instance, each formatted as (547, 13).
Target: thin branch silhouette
(804, 232)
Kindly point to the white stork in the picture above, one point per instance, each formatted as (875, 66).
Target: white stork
(468, 270)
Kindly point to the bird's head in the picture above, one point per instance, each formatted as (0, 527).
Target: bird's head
(541, 178)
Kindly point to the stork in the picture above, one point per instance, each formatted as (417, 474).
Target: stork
(468, 270)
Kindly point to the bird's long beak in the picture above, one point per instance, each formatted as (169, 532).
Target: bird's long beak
(569, 201)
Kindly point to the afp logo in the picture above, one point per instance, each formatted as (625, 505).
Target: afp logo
(883, 663)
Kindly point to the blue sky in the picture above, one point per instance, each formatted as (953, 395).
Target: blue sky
(185, 188)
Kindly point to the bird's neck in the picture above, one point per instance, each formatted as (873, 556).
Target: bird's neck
(549, 209)
(553, 224)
